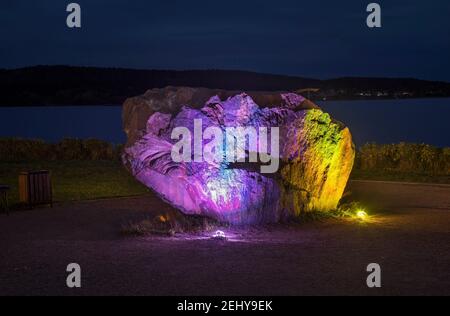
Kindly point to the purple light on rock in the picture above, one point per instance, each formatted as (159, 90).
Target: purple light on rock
(316, 156)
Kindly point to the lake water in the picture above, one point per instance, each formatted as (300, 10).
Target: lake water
(381, 121)
(54, 123)
(392, 121)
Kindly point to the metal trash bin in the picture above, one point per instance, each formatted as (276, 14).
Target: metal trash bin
(35, 188)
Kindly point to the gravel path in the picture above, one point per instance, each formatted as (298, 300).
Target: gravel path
(409, 237)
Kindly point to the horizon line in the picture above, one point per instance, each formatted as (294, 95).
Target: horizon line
(218, 69)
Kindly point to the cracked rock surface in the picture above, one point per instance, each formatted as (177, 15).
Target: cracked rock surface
(316, 154)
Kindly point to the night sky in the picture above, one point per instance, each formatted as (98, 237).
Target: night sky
(320, 39)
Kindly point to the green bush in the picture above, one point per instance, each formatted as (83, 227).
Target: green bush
(404, 157)
(17, 149)
(22, 149)
(70, 149)
(98, 150)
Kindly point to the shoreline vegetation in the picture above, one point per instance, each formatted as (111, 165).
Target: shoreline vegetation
(73, 86)
(91, 169)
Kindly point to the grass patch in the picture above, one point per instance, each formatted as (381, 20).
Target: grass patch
(87, 180)
(349, 210)
(314, 216)
(76, 180)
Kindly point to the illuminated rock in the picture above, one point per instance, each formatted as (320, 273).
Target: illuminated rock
(316, 153)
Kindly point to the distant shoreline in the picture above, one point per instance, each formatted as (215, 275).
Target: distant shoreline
(314, 100)
(65, 85)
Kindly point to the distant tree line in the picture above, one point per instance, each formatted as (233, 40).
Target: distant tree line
(63, 85)
(402, 157)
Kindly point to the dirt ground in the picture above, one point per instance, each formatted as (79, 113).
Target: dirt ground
(408, 235)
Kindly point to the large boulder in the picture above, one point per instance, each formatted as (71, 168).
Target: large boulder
(305, 169)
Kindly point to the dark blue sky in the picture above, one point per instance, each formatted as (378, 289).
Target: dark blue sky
(308, 38)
